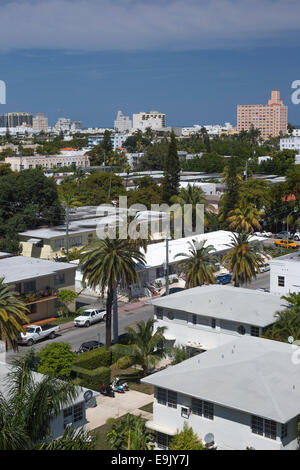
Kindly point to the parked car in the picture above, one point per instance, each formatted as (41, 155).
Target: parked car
(89, 346)
(224, 279)
(297, 236)
(285, 235)
(265, 268)
(263, 234)
(90, 316)
(34, 333)
(173, 290)
(287, 244)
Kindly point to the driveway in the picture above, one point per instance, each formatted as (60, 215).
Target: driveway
(123, 403)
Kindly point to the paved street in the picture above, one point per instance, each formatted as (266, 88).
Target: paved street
(77, 336)
(261, 282)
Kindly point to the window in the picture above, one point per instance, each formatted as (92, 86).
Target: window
(213, 323)
(172, 399)
(162, 440)
(254, 331)
(257, 425)
(59, 279)
(75, 241)
(241, 330)
(170, 315)
(78, 412)
(29, 287)
(159, 313)
(162, 396)
(203, 408)
(281, 281)
(284, 430)
(194, 319)
(59, 243)
(264, 427)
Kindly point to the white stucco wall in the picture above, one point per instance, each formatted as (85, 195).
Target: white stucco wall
(290, 270)
(231, 428)
(183, 329)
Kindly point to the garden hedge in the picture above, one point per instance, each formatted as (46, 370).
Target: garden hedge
(92, 378)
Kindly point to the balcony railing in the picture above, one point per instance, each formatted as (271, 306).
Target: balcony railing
(40, 296)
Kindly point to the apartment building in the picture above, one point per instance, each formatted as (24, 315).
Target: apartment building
(206, 317)
(285, 274)
(270, 118)
(122, 123)
(243, 394)
(290, 143)
(18, 119)
(37, 282)
(40, 123)
(154, 120)
(71, 414)
(19, 163)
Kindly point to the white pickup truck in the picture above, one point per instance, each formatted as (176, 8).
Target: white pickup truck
(34, 333)
(87, 317)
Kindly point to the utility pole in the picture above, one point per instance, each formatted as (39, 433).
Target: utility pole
(67, 230)
(167, 266)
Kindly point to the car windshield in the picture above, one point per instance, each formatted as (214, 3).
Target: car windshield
(30, 330)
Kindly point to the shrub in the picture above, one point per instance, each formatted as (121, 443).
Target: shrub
(92, 378)
(124, 362)
(56, 360)
(90, 360)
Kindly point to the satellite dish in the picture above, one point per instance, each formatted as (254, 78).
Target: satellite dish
(291, 339)
(88, 395)
(209, 439)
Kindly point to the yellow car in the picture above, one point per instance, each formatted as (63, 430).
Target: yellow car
(287, 244)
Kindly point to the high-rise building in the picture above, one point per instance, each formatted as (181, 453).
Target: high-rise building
(122, 123)
(270, 118)
(153, 120)
(18, 119)
(40, 123)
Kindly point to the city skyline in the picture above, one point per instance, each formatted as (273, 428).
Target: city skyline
(193, 60)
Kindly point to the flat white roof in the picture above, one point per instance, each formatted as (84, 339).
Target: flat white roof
(156, 252)
(227, 303)
(254, 375)
(19, 268)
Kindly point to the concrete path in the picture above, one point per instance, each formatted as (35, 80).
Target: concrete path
(123, 403)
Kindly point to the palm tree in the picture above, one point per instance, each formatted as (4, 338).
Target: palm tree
(244, 258)
(12, 314)
(192, 195)
(146, 346)
(245, 218)
(199, 265)
(293, 299)
(286, 325)
(29, 407)
(108, 263)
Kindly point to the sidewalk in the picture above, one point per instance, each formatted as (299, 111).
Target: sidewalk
(123, 403)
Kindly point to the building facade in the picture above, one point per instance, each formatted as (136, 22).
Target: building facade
(207, 317)
(40, 123)
(122, 123)
(37, 282)
(19, 163)
(18, 119)
(270, 119)
(240, 395)
(153, 120)
(285, 274)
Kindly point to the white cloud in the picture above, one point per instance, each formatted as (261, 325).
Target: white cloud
(144, 24)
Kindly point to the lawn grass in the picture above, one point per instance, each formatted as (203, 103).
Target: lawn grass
(100, 434)
(132, 376)
(148, 408)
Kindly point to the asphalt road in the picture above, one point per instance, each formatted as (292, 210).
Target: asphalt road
(77, 336)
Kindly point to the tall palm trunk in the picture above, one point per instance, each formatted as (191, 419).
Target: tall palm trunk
(109, 303)
(115, 315)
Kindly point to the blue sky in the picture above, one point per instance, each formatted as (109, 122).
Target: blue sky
(191, 60)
